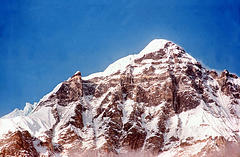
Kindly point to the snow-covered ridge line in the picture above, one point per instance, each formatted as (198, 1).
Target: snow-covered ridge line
(52, 92)
(154, 45)
(18, 112)
(159, 99)
(121, 63)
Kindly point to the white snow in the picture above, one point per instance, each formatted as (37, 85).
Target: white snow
(127, 110)
(119, 65)
(52, 92)
(27, 110)
(122, 63)
(154, 46)
(199, 123)
(152, 125)
(35, 123)
(41, 150)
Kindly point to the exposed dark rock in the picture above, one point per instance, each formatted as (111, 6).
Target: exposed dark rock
(130, 110)
(19, 143)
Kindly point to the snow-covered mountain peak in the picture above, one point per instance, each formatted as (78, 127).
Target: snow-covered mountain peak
(159, 100)
(154, 45)
(27, 110)
(158, 51)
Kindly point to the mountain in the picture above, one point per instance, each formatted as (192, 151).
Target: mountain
(27, 109)
(160, 102)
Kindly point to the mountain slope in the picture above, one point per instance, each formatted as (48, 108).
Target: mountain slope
(161, 100)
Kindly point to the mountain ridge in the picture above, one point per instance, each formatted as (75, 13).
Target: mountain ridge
(151, 101)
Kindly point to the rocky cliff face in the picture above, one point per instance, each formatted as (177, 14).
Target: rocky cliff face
(161, 101)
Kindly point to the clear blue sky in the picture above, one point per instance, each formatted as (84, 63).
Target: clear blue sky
(43, 42)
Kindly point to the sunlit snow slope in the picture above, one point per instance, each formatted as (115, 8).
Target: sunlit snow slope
(160, 101)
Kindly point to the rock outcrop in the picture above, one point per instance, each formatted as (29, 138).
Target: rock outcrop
(161, 100)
